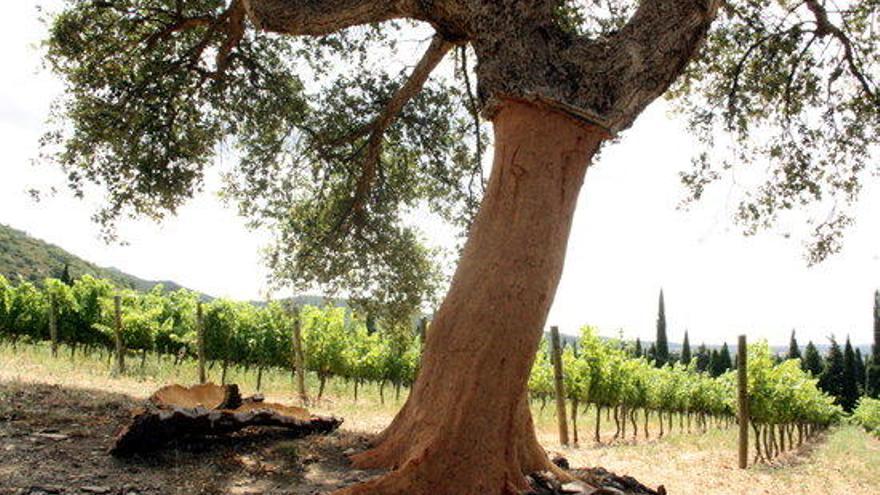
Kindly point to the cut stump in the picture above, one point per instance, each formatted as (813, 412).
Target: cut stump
(175, 412)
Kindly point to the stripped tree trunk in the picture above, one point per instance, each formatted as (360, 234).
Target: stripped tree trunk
(508, 272)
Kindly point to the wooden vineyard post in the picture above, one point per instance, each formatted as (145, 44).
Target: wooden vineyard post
(200, 329)
(556, 357)
(120, 349)
(53, 324)
(742, 401)
(299, 359)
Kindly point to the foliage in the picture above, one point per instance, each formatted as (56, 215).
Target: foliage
(661, 345)
(686, 349)
(604, 374)
(336, 343)
(784, 393)
(789, 91)
(813, 361)
(838, 377)
(23, 256)
(867, 414)
(155, 88)
(794, 351)
(850, 386)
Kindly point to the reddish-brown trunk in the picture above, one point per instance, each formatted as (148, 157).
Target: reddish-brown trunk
(466, 426)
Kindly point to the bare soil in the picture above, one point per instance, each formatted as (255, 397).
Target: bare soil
(55, 440)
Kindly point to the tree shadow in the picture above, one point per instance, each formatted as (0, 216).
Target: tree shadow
(57, 438)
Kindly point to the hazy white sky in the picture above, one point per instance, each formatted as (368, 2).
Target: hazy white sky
(628, 238)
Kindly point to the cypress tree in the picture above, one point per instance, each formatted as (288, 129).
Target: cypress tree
(713, 363)
(832, 377)
(876, 349)
(662, 344)
(65, 277)
(872, 374)
(638, 350)
(849, 386)
(686, 349)
(651, 354)
(860, 370)
(702, 358)
(794, 352)
(725, 363)
(812, 360)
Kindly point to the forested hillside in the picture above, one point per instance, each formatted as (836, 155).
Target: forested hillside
(33, 259)
(22, 255)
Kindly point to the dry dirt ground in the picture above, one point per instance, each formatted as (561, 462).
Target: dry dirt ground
(54, 440)
(57, 421)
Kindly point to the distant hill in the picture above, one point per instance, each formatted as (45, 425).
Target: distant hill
(32, 259)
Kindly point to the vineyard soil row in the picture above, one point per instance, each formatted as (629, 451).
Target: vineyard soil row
(843, 461)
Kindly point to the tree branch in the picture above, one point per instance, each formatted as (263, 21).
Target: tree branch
(825, 27)
(318, 18)
(652, 50)
(412, 87)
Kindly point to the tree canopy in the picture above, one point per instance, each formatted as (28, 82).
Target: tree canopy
(334, 147)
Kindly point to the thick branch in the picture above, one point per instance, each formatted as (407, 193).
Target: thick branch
(318, 18)
(606, 82)
(234, 19)
(413, 86)
(651, 51)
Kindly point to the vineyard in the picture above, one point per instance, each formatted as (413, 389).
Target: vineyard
(785, 405)
(782, 399)
(238, 334)
(867, 415)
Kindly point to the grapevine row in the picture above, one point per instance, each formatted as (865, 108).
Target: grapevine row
(867, 415)
(335, 343)
(601, 373)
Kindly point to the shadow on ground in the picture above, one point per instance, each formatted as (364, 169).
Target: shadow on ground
(54, 440)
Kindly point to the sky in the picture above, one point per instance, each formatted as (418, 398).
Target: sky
(628, 239)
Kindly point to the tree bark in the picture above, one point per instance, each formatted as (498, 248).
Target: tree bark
(466, 426)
